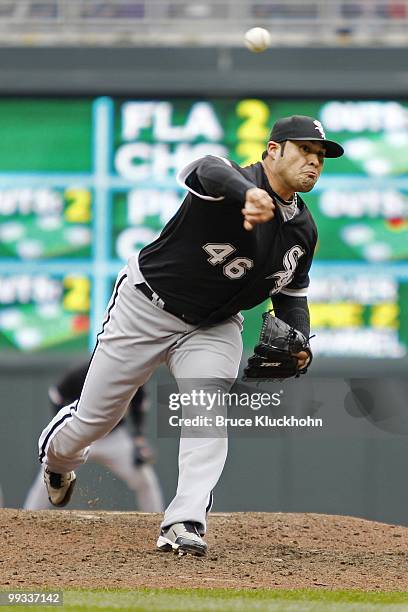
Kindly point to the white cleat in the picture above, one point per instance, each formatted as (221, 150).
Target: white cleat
(59, 486)
(182, 538)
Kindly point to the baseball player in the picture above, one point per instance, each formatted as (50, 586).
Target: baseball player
(240, 236)
(126, 455)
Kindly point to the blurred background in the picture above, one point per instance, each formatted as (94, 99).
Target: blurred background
(100, 104)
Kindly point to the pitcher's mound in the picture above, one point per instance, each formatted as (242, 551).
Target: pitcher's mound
(246, 550)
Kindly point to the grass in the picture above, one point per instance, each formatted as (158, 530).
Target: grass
(225, 600)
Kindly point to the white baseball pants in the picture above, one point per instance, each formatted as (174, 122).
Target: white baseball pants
(137, 337)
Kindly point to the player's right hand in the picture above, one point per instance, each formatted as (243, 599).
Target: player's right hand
(258, 208)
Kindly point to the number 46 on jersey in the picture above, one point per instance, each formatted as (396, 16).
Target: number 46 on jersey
(219, 252)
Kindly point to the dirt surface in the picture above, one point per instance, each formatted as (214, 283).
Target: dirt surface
(246, 550)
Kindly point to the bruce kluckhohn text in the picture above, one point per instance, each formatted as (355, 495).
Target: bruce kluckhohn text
(256, 421)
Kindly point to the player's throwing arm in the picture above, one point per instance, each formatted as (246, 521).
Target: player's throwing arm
(258, 208)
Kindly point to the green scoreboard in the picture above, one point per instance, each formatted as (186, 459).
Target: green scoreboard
(85, 183)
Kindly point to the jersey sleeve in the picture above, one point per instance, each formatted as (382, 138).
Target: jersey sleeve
(137, 411)
(69, 387)
(214, 178)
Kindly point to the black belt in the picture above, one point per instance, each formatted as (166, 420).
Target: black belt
(157, 301)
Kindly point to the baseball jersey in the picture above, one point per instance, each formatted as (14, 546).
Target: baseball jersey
(69, 388)
(204, 259)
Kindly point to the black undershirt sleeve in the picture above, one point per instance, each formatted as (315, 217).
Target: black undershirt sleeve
(137, 412)
(294, 311)
(220, 179)
(69, 387)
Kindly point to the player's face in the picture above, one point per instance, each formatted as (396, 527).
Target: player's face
(301, 164)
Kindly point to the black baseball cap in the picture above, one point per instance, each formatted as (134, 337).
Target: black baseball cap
(301, 127)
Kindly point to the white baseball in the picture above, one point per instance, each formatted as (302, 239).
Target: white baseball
(257, 39)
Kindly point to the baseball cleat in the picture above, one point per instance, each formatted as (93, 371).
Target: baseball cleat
(59, 486)
(182, 538)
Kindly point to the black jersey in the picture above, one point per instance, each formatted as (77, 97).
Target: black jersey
(69, 388)
(205, 259)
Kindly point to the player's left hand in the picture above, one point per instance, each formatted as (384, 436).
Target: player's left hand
(143, 452)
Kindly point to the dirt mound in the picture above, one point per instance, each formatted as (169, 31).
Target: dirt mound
(247, 550)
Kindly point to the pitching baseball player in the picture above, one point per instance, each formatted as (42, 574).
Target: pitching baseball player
(125, 455)
(240, 236)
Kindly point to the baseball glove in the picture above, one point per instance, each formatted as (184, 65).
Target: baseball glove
(274, 354)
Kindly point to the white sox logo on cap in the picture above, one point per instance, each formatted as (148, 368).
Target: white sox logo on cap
(290, 262)
(319, 128)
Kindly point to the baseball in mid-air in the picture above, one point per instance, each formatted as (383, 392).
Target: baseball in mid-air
(257, 39)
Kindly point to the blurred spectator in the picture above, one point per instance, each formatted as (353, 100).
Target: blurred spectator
(282, 10)
(398, 10)
(381, 9)
(267, 11)
(352, 10)
(109, 10)
(199, 10)
(6, 10)
(43, 10)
